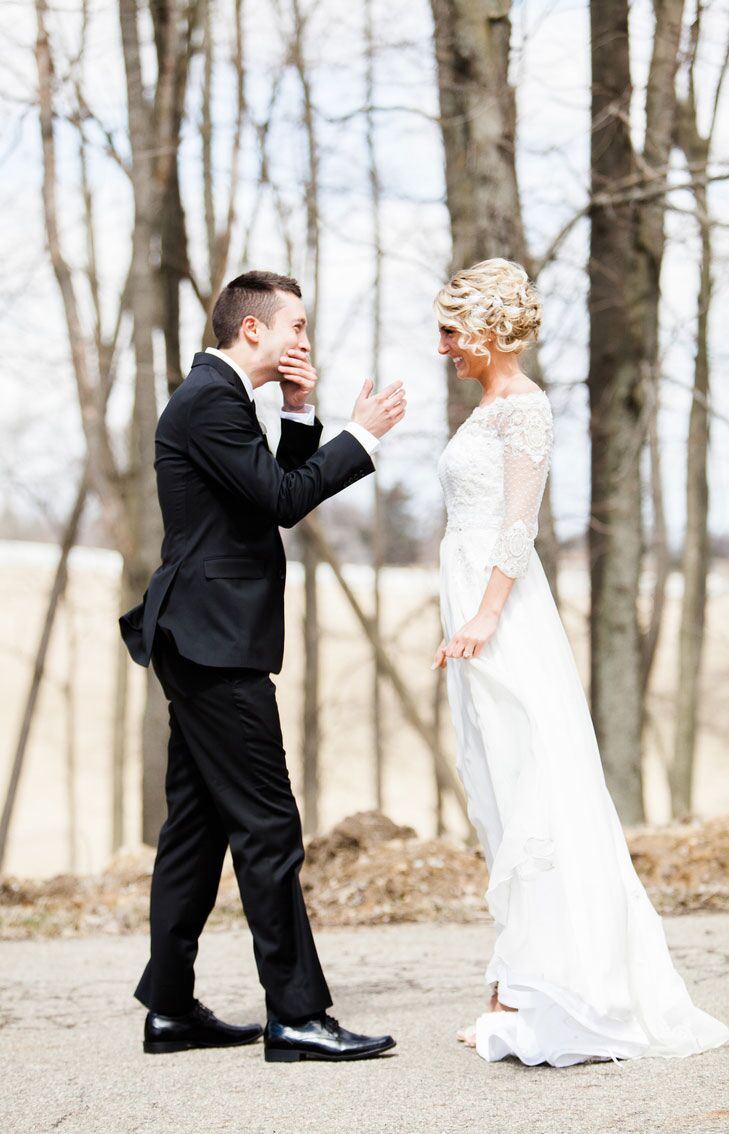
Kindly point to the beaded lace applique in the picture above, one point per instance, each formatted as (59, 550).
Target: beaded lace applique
(493, 472)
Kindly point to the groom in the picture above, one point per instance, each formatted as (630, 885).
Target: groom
(212, 623)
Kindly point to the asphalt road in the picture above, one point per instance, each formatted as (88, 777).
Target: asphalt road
(72, 1061)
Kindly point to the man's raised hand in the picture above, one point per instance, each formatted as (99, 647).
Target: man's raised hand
(298, 378)
(379, 412)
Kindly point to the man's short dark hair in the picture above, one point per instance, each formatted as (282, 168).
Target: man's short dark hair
(253, 293)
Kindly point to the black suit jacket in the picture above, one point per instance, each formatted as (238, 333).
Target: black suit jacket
(223, 496)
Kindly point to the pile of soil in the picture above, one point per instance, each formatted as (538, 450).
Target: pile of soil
(366, 871)
(685, 867)
(369, 871)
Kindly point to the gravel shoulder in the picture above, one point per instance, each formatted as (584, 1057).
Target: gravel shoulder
(71, 1053)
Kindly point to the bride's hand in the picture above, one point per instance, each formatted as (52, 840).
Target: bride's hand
(469, 640)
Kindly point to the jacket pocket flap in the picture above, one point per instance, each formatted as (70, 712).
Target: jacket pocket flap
(233, 567)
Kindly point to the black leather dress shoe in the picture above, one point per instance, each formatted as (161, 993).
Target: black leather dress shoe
(319, 1038)
(199, 1028)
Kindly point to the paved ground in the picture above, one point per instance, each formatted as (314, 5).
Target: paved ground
(72, 1061)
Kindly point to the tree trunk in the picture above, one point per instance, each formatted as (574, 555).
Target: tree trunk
(119, 745)
(151, 138)
(57, 590)
(650, 243)
(174, 261)
(408, 704)
(478, 124)
(128, 596)
(311, 724)
(128, 498)
(695, 562)
(310, 708)
(615, 421)
(69, 697)
(92, 396)
(661, 555)
(697, 150)
(378, 730)
(626, 253)
(438, 690)
(174, 267)
(155, 735)
(378, 737)
(477, 116)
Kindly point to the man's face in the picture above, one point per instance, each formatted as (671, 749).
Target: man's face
(287, 330)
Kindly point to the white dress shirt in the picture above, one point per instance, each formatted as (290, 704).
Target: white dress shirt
(367, 440)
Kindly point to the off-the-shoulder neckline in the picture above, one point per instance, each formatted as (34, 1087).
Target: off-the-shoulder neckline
(510, 398)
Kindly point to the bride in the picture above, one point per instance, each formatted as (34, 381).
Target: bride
(580, 967)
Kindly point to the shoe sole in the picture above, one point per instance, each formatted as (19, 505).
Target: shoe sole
(166, 1047)
(283, 1055)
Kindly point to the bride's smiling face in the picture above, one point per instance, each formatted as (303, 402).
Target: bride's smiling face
(467, 364)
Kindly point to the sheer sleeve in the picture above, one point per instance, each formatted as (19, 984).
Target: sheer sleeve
(526, 429)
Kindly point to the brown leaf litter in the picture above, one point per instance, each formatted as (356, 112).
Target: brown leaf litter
(366, 871)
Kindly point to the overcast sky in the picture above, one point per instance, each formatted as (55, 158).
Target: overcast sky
(41, 440)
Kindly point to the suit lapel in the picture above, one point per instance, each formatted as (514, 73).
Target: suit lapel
(202, 358)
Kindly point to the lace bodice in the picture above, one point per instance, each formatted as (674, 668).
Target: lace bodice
(493, 472)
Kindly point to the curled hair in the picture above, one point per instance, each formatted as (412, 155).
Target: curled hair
(253, 293)
(494, 297)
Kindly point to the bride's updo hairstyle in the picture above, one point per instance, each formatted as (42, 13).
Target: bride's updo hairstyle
(494, 297)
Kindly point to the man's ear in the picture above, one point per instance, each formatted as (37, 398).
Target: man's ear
(249, 330)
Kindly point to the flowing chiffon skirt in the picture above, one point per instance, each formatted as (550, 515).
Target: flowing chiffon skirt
(580, 951)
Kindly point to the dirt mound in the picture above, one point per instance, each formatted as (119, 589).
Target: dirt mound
(130, 866)
(369, 871)
(684, 867)
(366, 871)
(356, 833)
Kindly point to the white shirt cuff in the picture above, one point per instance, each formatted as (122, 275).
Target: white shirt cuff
(367, 440)
(302, 418)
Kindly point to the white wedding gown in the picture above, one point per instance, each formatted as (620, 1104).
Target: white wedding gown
(580, 951)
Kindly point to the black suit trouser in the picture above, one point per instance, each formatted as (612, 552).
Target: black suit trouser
(227, 785)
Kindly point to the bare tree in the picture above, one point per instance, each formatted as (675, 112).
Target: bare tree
(93, 371)
(127, 494)
(410, 710)
(311, 724)
(68, 690)
(92, 388)
(174, 49)
(650, 239)
(626, 248)
(219, 232)
(56, 593)
(375, 186)
(153, 144)
(478, 125)
(438, 691)
(697, 150)
(478, 122)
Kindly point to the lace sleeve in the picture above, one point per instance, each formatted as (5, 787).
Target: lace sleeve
(526, 429)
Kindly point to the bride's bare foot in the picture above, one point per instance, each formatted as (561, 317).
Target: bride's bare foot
(467, 1036)
(495, 1004)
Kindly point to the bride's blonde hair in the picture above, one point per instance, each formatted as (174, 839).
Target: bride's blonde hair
(494, 297)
